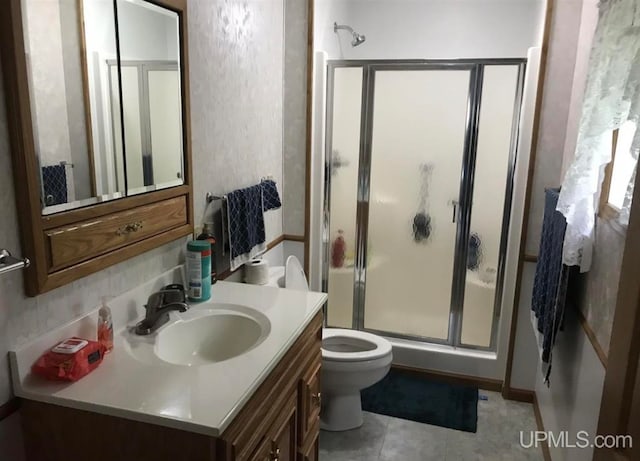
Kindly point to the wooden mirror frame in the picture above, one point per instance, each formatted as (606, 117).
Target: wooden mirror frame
(36, 230)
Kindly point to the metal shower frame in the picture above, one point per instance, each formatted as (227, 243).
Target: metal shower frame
(474, 101)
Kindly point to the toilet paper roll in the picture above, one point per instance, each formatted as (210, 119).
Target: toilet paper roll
(256, 272)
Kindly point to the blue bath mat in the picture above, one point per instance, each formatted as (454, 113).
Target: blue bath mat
(407, 395)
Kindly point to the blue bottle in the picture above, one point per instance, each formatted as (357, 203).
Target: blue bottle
(199, 270)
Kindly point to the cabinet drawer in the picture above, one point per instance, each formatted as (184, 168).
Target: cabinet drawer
(310, 399)
(84, 240)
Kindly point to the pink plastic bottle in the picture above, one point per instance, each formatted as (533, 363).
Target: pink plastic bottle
(105, 327)
(338, 250)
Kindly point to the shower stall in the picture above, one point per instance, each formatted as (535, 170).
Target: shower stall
(419, 175)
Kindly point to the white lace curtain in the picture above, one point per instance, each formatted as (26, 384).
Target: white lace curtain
(612, 97)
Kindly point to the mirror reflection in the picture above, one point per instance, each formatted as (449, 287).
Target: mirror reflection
(105, 87)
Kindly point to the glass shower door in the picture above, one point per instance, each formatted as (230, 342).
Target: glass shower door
(417, 126)
(419, 176)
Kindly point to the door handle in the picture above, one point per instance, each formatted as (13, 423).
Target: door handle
(454, 203)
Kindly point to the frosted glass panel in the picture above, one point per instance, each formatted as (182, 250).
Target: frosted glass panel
(492, 163)
(345, 145)
(165, 119)
(132, 126)
(417, 148)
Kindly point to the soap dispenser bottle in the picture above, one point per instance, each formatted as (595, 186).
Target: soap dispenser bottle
(207, 234)
(105, 327)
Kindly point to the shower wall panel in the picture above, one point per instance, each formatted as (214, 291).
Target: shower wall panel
(493, 158)
(343, 169)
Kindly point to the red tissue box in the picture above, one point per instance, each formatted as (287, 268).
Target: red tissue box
(70, 360)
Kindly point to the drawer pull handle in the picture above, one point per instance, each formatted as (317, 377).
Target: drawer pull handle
(275, 453)
(316, 398)
(131, 227)
(134, 227)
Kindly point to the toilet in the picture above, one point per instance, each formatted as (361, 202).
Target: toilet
(351, 361)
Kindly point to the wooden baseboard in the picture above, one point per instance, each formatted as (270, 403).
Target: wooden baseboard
(482, 383)
(519, 395)
(592, 339)
(294, 238)
(536, 410)
(275, 242)
(9, 408)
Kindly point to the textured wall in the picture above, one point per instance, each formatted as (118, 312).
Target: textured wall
(600, 284)
(428, 29)
(47, 82)
(236, 52)
(75, 100)
(564, 87)
(294, 117)
(572, 401)
(555, 111)
(600, 289)
(236, 64)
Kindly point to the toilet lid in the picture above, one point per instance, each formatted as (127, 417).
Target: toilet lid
(342, 345)
(294, 277)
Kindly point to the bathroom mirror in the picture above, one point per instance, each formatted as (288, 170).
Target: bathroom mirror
(105, 92)
(97, 96)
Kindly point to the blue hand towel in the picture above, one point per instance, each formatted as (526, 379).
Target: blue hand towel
(270, 196)
(246, 224)
(551, 280)
(54, 184)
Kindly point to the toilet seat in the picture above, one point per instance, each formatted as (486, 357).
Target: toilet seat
(366, 345)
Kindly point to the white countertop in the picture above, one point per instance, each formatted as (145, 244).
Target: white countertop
(202, 399)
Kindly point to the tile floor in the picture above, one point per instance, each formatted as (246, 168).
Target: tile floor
(383, 438)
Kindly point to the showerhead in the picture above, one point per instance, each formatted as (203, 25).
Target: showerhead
(358, 39)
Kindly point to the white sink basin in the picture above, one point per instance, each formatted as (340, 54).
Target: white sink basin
(206, 334)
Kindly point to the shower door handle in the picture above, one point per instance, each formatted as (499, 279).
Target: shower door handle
(454, 204)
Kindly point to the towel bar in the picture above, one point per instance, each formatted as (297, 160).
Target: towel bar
(8, 263)
(223, 209)
(225, 239)
(211, 198)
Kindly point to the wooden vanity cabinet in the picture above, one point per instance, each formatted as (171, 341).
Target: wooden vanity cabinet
(280, 422)
(284, 413)
(281, 443)
(310, 453)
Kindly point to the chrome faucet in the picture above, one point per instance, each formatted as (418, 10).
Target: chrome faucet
(159, 304)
